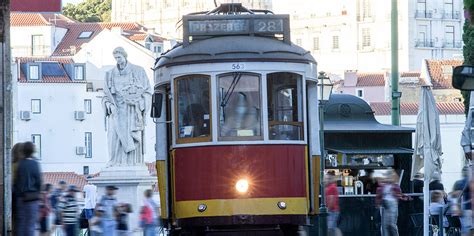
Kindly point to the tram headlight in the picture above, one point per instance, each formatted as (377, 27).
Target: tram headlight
(242, 185)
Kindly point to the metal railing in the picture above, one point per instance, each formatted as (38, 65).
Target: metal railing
(423, 14)
(453, 15)
(424, 43)
(452, 44)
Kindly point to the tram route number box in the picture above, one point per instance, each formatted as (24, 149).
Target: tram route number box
(236, 25)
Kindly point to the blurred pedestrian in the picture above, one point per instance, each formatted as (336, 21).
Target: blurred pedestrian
(58, 196)
(45, 210)
(90, 199)
(437, 207)
(461, 188)
(17, 155)
(332, 200)
(96, 221)
(122, 219)
(149, 215)
(69, 211)
(28, 190)
(110, 204)
(387, 197)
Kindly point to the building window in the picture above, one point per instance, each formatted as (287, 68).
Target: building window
(34, 72)
(449, 9)
(366, 9)
(157, 49)
(239, 107)
(85, 35)
(37, 45)
(36, 139)
(88, 144)
(316, 43)
(449, 37)
(88, 106)
(366, 40)
(79, 72)
(193, 105)
(360, 93)
(298, 42)
(85, 170)
(335, 42)
(36, 106)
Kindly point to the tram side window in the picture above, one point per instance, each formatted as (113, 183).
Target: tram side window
(193, 108)
(239, 107)
(285, 106)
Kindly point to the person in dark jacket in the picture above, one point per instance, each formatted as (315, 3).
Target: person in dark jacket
(435, 184)
(28, 189)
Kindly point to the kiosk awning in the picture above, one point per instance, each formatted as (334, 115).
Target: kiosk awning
(377, 150)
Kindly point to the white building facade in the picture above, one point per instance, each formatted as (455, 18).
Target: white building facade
(165, 15)
(58, 87)
(59, 115)
(355, 34)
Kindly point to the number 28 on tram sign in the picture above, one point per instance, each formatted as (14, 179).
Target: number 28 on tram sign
(274, 25)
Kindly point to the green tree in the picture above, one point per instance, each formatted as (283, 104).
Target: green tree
(89, 11)
(468, 49)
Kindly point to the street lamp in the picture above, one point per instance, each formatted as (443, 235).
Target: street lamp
(325, 90)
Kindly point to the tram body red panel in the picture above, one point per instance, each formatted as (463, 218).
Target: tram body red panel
(211, 172)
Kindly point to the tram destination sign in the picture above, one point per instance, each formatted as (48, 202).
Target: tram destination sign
(232, 25)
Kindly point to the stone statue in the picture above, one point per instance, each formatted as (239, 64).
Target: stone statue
(126, 102)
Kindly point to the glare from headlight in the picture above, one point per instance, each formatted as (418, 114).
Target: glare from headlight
(242, 186)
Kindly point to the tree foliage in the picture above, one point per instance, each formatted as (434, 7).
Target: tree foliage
(468, 52)
(89, 11)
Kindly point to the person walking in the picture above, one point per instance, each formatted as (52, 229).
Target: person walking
(461, 188)
(17, 155)
(27, 188)
(58, 196)
(69, 211)
(122, 219)
(387, 197)
(150, 214)
(45, 210)
(109, 204)
(332, 199)
(96, 221)
(90, 199)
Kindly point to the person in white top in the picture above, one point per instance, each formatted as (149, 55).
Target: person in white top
(90, 199)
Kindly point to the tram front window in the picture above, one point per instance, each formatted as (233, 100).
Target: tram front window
(285, 106)
(193, 108)
(239, 107)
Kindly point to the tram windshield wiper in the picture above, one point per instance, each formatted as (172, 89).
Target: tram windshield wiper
(230, 91)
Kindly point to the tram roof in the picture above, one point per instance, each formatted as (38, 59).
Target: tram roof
(234, 49)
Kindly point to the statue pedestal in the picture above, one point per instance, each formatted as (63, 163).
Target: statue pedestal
(132, 182)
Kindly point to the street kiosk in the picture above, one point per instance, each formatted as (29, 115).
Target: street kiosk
(358, 148)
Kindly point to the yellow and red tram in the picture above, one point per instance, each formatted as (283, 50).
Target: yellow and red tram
(235, 108)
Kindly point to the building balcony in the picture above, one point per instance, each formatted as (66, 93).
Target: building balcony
(424, 44)
(452, 44)
(454, 15)
(423, 14)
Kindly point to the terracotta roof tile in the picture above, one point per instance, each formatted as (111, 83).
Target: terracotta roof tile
(71, 178)
(440, 72)
(444, 108)
(71, 42)
(27, 19)
(370, 79)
